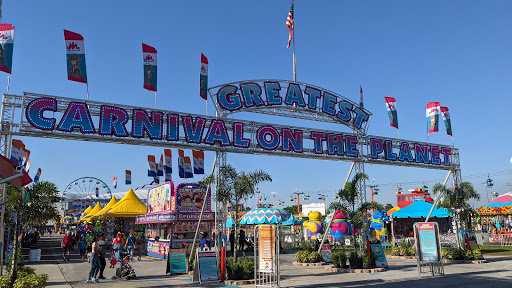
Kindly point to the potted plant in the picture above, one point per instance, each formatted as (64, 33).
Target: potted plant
(336, 259)
(343, 260)
(354, 260)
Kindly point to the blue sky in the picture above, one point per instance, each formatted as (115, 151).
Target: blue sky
(455, 52)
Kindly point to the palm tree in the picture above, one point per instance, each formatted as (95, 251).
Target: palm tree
(456, 201)
(235, 187)
(349, 195)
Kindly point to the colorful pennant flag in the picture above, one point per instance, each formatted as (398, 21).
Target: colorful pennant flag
(433, 110)
(128, 177)
(149, 58)
(187, 167)
(168, 165)
(198, 161)
(6, 47)
(203, 75)
(361, 96)
(181, 163)
(151, 166)
(27, 168)
(392, 112)
(447, 122)
(38, 175)
(156, 180)
(75, 56)
(17, 151)
(115, 182)
(25, 159)
(160, 167)
(289, 24)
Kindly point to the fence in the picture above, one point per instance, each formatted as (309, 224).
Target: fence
(506, 240)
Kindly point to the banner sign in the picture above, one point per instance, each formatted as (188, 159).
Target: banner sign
(207, 261)
(75, 56)
(158, 249)
(111, 123)
(266, 248)
(189, 197)
(159, 197)
(428, 242)
(6, 47)
(381, 258)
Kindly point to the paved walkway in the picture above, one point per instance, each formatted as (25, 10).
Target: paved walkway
(402, 273)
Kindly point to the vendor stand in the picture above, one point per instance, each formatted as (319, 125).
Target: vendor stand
(173, 214)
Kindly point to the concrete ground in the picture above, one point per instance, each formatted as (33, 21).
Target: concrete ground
(402, 273)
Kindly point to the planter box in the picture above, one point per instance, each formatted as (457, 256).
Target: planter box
(400, 257)
(341, 270)
(308, 264)
(239, 282)
(448, 261)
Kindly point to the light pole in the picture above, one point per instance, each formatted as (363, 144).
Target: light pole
(274, 194)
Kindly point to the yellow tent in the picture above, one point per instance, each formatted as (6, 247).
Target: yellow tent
(112, 202)
(95, 210)
(86, 211)
(128, 206)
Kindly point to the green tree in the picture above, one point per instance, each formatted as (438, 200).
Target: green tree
(456, 200)
(348, 195)
(388, 207)
(377, 206)
(291, 209)
(235, 187)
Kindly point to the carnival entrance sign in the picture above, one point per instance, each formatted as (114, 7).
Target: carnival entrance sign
(36, 115)
(428, 248)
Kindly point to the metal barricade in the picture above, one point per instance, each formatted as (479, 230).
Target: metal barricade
(266, 256)
(506, 240)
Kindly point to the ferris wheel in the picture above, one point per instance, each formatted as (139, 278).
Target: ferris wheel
(86, 187)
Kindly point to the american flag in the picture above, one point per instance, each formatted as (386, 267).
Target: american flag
(289, 24)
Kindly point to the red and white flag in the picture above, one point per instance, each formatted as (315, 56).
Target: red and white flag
(289, 24)
(392, 112)
(151, 166)
(150, 64)
(203, 77)
(433, 111)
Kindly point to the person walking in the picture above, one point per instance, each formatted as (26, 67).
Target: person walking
(95, 261)
(82, 246)
(131, 241)
(66, 243)
(118, 241)
(101, 255)
(241, 240)
(232, 241)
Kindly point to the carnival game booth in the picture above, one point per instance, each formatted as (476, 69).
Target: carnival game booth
(173, 215)
(404, 219)
(103, 222)
(122, 216)
(496, 218)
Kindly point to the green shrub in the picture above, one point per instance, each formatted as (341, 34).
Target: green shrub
(343, 258)
(445, 252)
(314, 257)
(353, 259)
(373, 258)
(306, 246)
(395, 250)
(300, 255)
(410, 251)
(5, 282)
(247, 264)
(336, 257)
(31, 281)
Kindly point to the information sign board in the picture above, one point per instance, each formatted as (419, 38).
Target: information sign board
(380, 262)
(207, 263)
(427, 242)
(177, 261)
(266, 248)
(326, 253)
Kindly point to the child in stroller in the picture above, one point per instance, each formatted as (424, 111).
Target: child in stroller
(125, 271)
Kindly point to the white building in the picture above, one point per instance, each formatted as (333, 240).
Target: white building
(319, 207)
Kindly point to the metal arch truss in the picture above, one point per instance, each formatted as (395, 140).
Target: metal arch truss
(13, 122)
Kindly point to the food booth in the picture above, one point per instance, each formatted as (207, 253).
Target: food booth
(173, 214)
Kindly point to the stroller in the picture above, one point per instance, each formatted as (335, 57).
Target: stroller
(125, 270)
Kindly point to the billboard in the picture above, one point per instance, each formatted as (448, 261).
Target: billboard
(189, 197)
(159, 197)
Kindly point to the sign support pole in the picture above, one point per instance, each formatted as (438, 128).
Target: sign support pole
(339, 200)
(438, 196)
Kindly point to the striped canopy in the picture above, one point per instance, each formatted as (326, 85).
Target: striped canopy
(265, 216)
(292, 221)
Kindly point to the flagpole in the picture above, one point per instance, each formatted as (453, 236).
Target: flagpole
(398, 133)
(155, 99)
(8, 83)
(294, 59)
(206, 106)
(87, 85)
